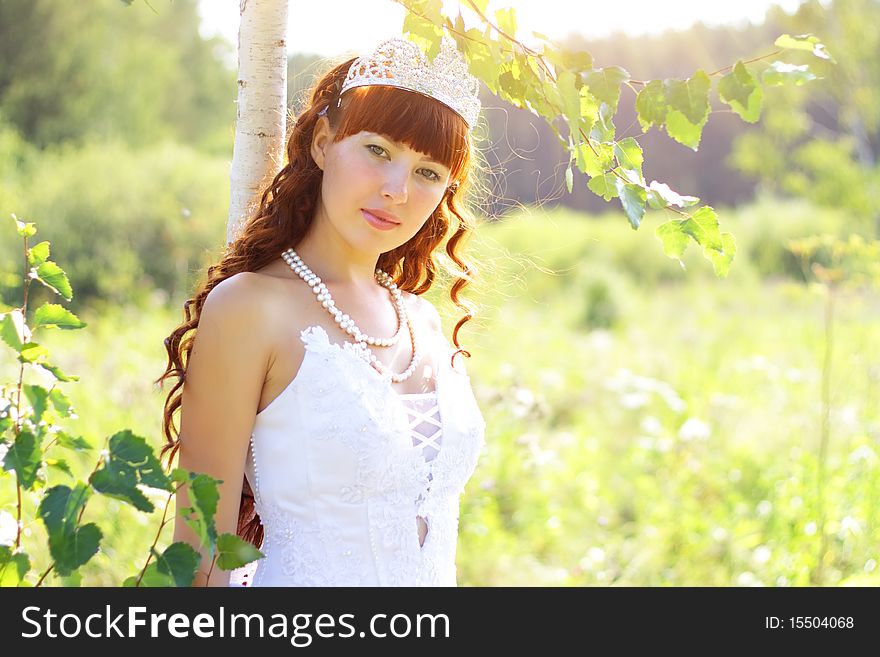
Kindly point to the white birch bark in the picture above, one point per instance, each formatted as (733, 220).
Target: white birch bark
(262, 105)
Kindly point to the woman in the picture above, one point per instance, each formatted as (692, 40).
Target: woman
(319, 386)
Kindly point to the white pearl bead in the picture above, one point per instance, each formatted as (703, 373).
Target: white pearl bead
(322, 296)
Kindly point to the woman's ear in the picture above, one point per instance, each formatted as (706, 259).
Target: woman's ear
(321, 139)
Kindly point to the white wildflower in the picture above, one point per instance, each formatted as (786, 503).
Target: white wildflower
(8, 528)
(694, 429)
(761, 555)
(634, 399)
(651, 424)
(747, 579)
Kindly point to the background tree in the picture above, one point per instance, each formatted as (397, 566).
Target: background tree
(822, 143)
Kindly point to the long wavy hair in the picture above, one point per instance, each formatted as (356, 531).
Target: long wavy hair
(287, 208)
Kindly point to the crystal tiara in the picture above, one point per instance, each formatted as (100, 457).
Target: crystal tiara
(400, 63)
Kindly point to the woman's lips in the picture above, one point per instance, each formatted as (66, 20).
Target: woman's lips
(378, 223)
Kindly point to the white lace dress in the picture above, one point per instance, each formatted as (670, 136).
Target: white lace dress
(356, 484)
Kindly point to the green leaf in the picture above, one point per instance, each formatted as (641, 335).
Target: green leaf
(779, 73)
(32, 352)
(740, 90)
(73, 580)
(204, 495)
(69, 545)
(430, 9)
(806, 42)
(571, 99)
(60, 507)
(651, 105)
(660, 196)
(76, 443)
(152, 578)
(61, 402)
(604, 185)
(130, 462)
(25, 229)
(37, 396)
(629, 154)
(38, 254)
(630, 176)
(427, 35)
(690, 97)
(13, 329)
(70, 551)
(13, 566)
(683, 131)
(52, 315)
(595, 158)
(576, 61)
(483, 58)
(60, 465)
(569, 179)
(633, 199)
(179, 563)
(53, 277)
(589, 110)
(673, 238)
(721, 259)
(235, 552)
(513, 89)
(180, 476)
(57, 373)
(604, 130)
(24, 456)
(537, 35)
(604, 83)
(506, 20)
(703, 226)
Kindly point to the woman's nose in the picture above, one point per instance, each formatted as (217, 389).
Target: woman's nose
(395, 185)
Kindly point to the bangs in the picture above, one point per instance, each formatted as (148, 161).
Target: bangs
(422, 123)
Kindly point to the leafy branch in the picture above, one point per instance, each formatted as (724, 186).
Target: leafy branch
(126, 465)
(557, 84)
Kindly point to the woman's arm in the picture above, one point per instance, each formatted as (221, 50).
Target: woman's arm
(221, 394)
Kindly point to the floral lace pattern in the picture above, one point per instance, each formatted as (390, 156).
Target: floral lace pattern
(341, 484)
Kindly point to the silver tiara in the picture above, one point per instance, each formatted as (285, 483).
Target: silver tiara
(400, 63)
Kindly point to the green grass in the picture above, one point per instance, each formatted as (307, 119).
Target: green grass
(645, 425)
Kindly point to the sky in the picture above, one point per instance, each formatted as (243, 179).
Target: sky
(334, 28)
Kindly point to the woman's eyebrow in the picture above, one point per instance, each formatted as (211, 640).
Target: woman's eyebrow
(426, 158)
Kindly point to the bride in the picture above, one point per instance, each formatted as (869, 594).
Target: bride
(312, 377)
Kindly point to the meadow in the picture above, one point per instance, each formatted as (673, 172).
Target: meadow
(647, 425)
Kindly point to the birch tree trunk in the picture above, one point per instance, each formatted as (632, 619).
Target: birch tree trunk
(262, 105)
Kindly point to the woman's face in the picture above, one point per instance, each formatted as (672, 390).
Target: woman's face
(367, 171)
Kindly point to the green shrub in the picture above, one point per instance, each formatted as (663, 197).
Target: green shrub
(128, 221)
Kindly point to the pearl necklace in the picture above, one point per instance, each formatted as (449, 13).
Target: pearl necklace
(347, 324)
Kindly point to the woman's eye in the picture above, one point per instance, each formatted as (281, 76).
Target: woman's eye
(432, 176)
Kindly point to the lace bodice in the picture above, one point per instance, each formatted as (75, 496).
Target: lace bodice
(356, 484)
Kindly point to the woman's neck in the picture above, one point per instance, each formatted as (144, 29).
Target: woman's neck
(336, 263)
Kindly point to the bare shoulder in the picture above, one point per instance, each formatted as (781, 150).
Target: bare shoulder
(243, 298)
(240, 291)
(426, 312)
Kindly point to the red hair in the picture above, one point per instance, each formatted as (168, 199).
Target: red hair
(287, 208)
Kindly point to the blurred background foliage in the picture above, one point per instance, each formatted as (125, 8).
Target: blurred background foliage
(667, 431)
